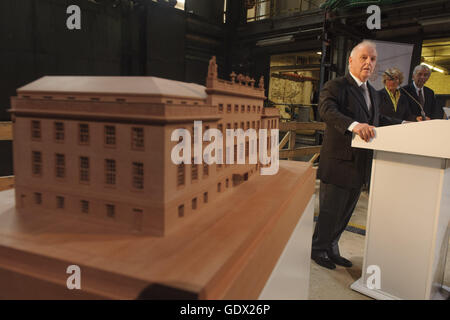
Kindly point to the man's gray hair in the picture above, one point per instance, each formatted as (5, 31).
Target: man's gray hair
(365, 43)
(421, 67)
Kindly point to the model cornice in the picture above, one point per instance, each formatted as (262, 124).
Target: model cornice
(117, 86)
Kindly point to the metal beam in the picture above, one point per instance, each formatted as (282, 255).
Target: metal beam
(287, 126)
(300, 152)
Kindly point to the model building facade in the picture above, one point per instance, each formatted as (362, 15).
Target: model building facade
(100, 147)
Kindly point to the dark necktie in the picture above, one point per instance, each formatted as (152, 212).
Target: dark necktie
(366, 95)
(421, 98)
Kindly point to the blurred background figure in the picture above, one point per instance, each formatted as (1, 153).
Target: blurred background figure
(394, 103)
(423, 95)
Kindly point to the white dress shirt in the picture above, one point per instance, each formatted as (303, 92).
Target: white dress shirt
(417, 91)
(359, 83)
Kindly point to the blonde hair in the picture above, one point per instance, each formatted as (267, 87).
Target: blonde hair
(395, 72)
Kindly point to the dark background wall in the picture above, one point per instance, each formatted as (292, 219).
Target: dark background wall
(115, 39)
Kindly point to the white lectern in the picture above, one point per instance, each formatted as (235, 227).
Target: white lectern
(409, 211)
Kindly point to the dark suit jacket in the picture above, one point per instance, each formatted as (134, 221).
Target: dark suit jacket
(403, 109)
(341, 103)
(430, 108)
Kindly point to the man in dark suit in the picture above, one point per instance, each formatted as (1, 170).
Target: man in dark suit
(423, 95)
(347, 104)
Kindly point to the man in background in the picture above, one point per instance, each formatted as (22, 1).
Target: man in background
(423, 95)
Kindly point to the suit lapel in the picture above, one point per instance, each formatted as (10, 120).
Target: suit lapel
(356, 91)
(413, 92)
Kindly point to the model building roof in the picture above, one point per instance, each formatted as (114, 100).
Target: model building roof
(114, 86)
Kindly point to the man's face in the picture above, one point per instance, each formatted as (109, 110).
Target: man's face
(421, 77)
(363, 62)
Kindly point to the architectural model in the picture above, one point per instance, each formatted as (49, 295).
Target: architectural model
(97, 190)
(100, 147)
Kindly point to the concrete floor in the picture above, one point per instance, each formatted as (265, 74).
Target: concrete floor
(335, 284)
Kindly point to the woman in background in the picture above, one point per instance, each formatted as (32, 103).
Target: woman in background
(393, 102)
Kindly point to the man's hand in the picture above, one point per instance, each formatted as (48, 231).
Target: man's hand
(419, 118)
(365, 131)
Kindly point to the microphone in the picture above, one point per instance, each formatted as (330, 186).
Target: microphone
(422, 112)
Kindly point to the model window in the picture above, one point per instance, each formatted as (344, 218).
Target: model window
(194, 204)
(229, 108)
(220, 108)
(227, 183)
(248, 108)
(36, 165)
(59, 131)
(205, 169)
(219, 187)
(110, 171)
(110, 135)
(60, 161)
(38, 198)
(180, 174)
(84, 206)
(110, 211)
(254, 108)
(205, 197)
(83, 133)
(138, 175)
(236, 108)
(84, 169)
(60, 202)
(194, 170)
(137, 138)
(36, 130)
(181, 210)
(242, 108)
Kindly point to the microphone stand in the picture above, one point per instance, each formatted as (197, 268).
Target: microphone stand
(422, 112)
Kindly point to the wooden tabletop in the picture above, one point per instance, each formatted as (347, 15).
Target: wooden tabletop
(226, 251)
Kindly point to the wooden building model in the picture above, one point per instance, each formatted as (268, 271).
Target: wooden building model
(100, 147)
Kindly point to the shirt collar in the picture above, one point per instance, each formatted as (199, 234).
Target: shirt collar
(417, 89)
(358, 82)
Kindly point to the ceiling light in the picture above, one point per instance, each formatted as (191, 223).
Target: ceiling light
(434, 21)
(433, 67)
(273, 41)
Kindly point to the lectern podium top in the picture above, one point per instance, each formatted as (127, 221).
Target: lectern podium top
(426, 138)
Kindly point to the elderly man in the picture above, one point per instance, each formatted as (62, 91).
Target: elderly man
(423, 95)
(347, 104)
